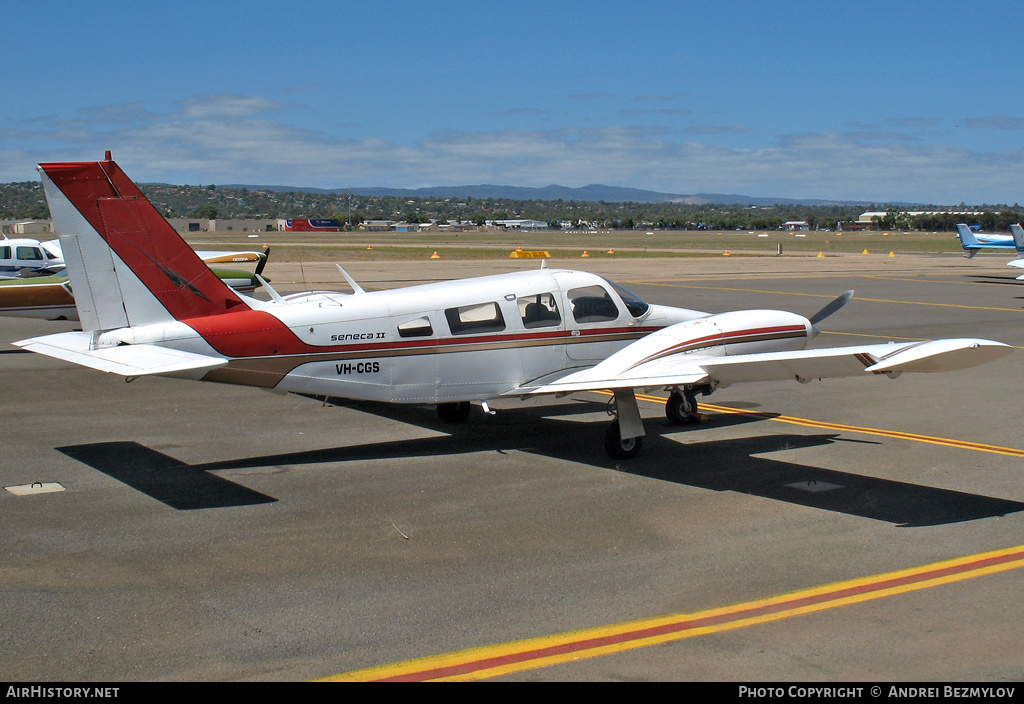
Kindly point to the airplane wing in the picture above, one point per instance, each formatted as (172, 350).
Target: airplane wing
(208, 256)
(52, 270)
(126, 360)
(799, 365)
(237, 280)
(212, 257)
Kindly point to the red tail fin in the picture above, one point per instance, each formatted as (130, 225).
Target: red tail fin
(141, 238)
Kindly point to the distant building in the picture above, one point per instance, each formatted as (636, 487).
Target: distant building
(867, 218)
(796, 225)
(32, 227)
(187, 225)
(520, 224)
(377, 225)
(244, 225)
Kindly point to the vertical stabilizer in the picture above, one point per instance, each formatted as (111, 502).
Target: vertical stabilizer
(968, 241)
(126, 264)
(1018, 237)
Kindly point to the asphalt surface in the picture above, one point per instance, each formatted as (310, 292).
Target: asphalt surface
(207, 532)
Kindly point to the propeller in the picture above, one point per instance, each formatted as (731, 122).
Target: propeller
(831, 308)
(263, 262)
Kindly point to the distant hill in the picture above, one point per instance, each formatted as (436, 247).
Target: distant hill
(594, 193)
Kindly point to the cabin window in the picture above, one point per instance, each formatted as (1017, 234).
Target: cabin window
(539, 311)
(592, 304)
(29, 254)
(5, 252)
(416, 328)
(482, 317)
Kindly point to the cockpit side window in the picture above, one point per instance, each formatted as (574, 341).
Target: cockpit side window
(636, 306)
(539, 311)
(592, 304)
(29, 254)
(481, 317)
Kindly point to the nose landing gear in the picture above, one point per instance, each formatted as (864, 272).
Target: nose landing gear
(681, 408)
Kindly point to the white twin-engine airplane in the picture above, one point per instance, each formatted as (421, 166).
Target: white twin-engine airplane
(149, 306)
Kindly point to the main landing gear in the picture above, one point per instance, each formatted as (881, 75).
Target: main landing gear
(680, 409)
(618, 447)
(625, 436)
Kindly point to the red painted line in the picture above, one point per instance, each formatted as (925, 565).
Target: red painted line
(803, 600)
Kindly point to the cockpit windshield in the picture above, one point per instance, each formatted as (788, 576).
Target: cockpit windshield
(636, 306)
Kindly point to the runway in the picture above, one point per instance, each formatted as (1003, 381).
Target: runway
(208, 532)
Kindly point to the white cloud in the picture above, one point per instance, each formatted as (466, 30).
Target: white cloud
(232, 139)
(226, 106)
(995, 122)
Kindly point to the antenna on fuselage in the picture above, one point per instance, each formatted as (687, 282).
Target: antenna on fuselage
(356, 288)
(274, 295)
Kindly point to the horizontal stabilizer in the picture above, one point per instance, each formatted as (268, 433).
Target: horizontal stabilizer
(942, 356)
(126, 360)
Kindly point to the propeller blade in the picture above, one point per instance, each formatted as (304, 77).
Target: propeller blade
(831, 308)
(263, 262)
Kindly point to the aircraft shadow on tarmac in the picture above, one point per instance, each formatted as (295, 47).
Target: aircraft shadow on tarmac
(995, 279)
(736, 465)
(159, 476)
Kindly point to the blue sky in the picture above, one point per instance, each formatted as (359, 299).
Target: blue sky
(878, 101)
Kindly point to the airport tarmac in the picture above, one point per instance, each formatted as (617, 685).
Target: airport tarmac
(202, 532)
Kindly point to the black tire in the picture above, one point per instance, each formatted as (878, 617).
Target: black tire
(681, 409)
(618, 448)
(453, 412)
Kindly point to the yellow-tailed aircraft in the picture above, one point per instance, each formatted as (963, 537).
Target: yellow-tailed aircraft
(44, 293)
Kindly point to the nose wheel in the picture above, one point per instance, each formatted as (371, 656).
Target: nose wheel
(681, 408)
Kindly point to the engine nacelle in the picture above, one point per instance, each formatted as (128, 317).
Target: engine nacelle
(738, 332)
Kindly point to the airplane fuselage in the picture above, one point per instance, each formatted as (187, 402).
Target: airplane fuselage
(28, 257)
(473, 339)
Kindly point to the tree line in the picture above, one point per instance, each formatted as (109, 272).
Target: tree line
(25, 200)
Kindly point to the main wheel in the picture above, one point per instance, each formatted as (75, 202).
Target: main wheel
(619, 448)
(681, 408)
(453, 412)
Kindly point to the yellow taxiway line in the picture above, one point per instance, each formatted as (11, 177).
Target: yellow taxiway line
(495, 660)
(842, 427)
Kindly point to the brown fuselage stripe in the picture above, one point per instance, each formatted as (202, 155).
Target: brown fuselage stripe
(267, 372)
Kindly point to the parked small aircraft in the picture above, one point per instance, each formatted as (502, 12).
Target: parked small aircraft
(149, 306)
(23, 258)
(973, 242)
(1018, 240)
(51, 298)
